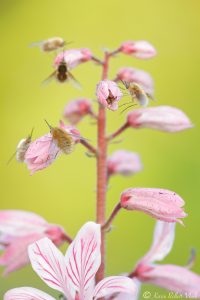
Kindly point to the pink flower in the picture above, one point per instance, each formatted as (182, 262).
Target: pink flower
(138, 76)
(41, 153)
(73, 274)
(160, 204)
(19, 229)
(164, 118)
(174, 278)
(124, 162)
(77, 109)
(108, 94)
(139, 49)
(73, 57)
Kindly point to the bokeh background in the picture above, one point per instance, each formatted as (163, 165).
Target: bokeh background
(64, 193)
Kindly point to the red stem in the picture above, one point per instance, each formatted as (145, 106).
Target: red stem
(118, 132)
(102, 173)
(88, 146)
(108, 223)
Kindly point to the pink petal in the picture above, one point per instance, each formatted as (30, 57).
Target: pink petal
(139, 49)
(26, 293)
(49, 263)
(164, 118)
(83, 258)
(20, 223)
(15, 255)
(114, 284)
(161, 204)
(75, 110)
(164, 235)
(41, 153)
(73, 57)
(174, 278)
(124, 162)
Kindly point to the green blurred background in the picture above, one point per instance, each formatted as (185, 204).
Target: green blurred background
(64, 193)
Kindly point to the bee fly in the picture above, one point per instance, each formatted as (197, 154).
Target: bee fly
(64, 140)
(137, 93)
(22, 147)
(62, 74)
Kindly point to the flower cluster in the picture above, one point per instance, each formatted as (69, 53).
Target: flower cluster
(26, 237)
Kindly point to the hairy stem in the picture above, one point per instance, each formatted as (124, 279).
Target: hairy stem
(106, 226)
(102, 173)
(118, 132)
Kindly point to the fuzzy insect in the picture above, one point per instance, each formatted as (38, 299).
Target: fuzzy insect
(138, 95)
(63, 139)
(62, 74)
(22, 147)
(50, 44)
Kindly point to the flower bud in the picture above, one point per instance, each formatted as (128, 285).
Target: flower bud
(108, 94)
(141, 77)
(124, 162)
(73, 57)
(158, 203)
(139, 49)
(164, 118)
(75, 110)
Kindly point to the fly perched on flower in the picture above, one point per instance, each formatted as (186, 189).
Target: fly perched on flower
(64, 140)
(50, 44)
(137, 93)
(22, 147)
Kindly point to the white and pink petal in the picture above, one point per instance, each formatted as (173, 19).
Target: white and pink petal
(49, 263)
(26, 293)
(164, 235)
(83, 258)
(113, 285)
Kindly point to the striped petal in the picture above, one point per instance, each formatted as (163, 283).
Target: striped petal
(162, 243)
(83, 258)
(125, 296)
(26, 293)
(114, 284)
(49, 263)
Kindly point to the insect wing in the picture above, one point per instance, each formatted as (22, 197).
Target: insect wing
(49, 78)
(75, 82)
